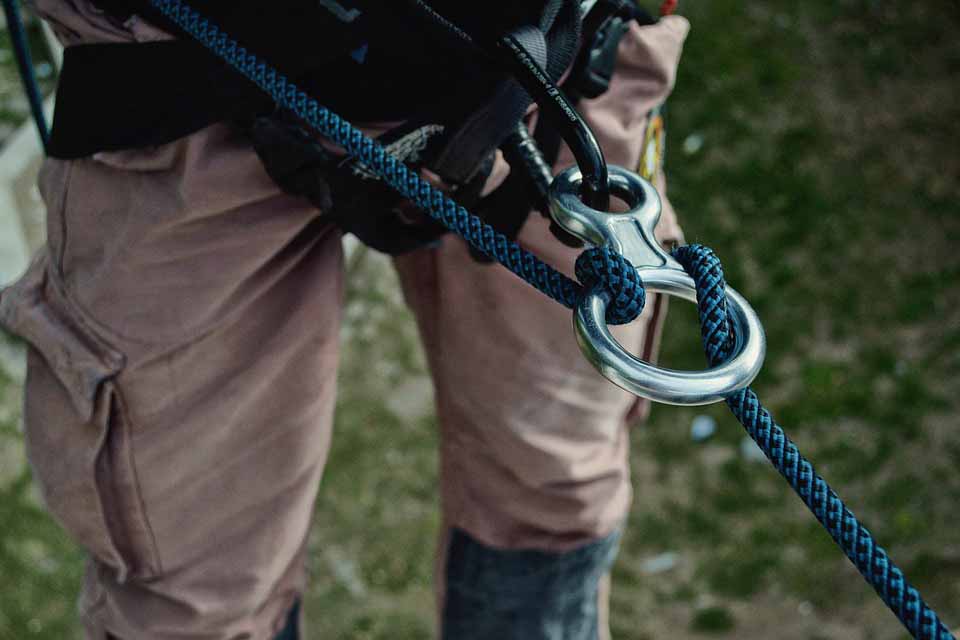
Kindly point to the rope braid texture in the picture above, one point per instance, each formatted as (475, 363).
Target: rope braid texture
(852, 537)
(595, 267)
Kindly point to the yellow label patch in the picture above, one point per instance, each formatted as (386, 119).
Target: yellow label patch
(651, 156)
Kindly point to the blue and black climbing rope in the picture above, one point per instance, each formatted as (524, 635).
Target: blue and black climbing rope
(852, 537)
(620, 279)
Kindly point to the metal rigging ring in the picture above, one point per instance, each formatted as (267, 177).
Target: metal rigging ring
(632, 235)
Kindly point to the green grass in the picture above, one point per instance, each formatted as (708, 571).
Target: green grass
(828, 181)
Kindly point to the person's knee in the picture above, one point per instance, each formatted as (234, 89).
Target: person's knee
(536, 498)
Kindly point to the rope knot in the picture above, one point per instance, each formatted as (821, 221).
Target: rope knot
(615, 275)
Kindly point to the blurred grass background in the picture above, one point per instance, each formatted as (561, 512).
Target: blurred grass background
(815, 146)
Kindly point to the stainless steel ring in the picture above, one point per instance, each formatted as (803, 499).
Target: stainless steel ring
(632, 235)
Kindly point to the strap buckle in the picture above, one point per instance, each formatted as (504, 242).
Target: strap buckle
(631, 234)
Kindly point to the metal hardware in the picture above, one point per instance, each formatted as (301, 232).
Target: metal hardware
(632, 235)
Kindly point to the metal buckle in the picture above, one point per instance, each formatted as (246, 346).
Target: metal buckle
(631, 234)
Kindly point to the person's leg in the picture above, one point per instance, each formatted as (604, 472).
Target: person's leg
(534, 475)
(183, 328)
(534, 446)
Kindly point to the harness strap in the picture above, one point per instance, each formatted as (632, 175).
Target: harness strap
(487, 127)
(94, 112)
(552, 44)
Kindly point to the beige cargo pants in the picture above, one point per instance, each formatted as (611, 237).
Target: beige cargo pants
(183, 323)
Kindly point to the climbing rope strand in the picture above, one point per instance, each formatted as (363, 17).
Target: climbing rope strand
(852, 537)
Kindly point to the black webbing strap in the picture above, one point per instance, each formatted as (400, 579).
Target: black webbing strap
(106, 101)
(116, 96)
(553, 44)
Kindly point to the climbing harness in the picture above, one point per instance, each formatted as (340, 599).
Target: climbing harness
(623, 261)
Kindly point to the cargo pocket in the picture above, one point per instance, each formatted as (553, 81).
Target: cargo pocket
(77, 434)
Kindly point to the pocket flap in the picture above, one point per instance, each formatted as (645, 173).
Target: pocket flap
(37, 310)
